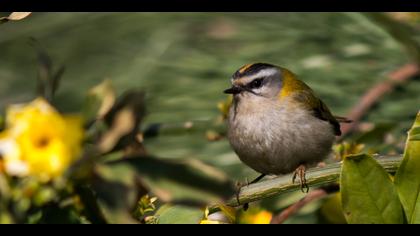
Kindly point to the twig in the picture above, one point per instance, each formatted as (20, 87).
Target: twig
(291, 210)
(312, 196)
(316, 177)
(373, 95)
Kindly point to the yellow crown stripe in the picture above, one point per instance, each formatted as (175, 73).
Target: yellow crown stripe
(245, 67)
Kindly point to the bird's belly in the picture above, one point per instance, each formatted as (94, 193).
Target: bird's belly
(279, 146)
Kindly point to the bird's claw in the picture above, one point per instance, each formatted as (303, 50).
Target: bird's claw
(301, 173)
(239, 186)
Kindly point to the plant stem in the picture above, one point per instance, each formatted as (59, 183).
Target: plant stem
(315, 177)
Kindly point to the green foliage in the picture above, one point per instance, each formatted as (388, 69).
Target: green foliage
(181, 181)
(99, 101)
(145, 207)
(368, 194)
(332, 211)
(116, 192)
(2, 121)
(131, 170)
(48, 76)
(179, 215)
(112, 181)
(407, 179)
(399, 31)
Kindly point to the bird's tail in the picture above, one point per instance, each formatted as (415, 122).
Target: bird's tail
(341, 119)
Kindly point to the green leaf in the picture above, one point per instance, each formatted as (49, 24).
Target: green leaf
(91, 207)
(145, 207)
(2, 123)
(407, 179)
(123, 120)
(117, 193)
(368, 194)
(56, 79)
(415, 137)
(332, 211)
(168, 214)
(182, 181)
(48, 78)
(99, 101)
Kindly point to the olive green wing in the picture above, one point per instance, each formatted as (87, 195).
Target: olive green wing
(308, 99)
(323, 113)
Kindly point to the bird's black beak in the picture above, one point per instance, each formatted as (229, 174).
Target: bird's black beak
(233, 90)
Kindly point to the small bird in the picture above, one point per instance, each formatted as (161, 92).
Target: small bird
(276, 124)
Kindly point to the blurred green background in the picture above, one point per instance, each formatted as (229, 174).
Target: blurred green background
(184, 61)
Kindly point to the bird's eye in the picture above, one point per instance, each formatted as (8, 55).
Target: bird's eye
(256, 83)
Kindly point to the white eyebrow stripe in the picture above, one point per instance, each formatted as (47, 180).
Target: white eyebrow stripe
(262, 73)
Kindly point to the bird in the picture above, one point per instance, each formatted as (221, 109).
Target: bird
(277, 124)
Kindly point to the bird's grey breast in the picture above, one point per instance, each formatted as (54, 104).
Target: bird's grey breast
(272, 139)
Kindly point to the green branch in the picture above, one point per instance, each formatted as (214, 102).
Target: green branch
(315, 177)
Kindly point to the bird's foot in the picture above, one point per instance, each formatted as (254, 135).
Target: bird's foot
(301, 173)
(239, 186)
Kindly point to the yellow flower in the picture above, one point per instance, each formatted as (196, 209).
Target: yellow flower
(256, 217)
(209, 222)
(39, 141)
(10, 156)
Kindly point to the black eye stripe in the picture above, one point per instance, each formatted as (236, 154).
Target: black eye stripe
(256, 83)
